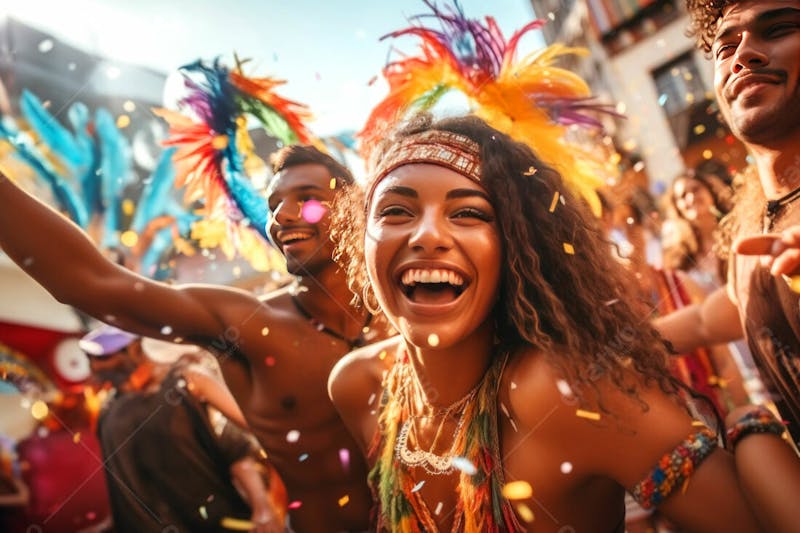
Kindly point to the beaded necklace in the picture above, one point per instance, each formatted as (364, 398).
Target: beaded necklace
(480, 505)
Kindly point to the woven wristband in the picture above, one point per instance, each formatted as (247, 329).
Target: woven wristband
(759, 420)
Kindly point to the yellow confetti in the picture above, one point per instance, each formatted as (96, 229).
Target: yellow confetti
(235, 524)
(685, 485)
(264, 331)
(698, 424)
(699, 129)
(517, 490)
(129, 238)
(591, 415)
(220, 142)
(531, 171)
(203, 512)
(332, 183)
(554, 203)
(262, 453)
(525, 512)
(123, 121)
(344, 500)
(568, 248)
(76, 438)
(128, 207)
(382, 355)
(39, 410)
(708, 154)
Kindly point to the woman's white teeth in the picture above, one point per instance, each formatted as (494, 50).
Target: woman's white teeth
(418, 275)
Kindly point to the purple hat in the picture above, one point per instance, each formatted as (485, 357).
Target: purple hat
(105, 340)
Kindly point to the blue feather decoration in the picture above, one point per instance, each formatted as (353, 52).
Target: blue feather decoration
(156, 194)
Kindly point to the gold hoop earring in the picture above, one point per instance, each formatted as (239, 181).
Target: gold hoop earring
(365, 292)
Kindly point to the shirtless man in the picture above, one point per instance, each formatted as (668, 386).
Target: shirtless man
(755, 47)
(275, 353)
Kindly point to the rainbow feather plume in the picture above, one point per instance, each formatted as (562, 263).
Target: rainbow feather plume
(531, 99)
(212, 148)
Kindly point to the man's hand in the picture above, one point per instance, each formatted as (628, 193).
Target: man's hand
(780, 252)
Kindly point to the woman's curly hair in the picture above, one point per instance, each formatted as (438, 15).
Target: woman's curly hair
(704, 15)
(581, 309)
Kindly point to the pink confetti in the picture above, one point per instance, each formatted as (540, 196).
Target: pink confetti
(269, 361)
(344, 458)
(295, 504)
(313, 211)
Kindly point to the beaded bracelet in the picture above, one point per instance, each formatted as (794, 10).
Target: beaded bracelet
(674, 468)
(759, 420)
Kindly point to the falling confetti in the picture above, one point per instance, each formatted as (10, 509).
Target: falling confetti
(269, 361)
(517, 490)
(433, 339)
(129, 238)
(166, 330)
(525, 512)
(220, 142)
(123, 121)
(569, 249)
(566, 467)
(418, 486)
(698, 424)
(76, 438)
(203, 512)
(438, 508)
(590, 415)
(295, 504)
(564, 388)
(531, 171)
(513, 385)
(554, 203)
(344, 500)
(236, 524)
(313, 211)
(302, 457)
(371, 398)
(46, 45)
(611, 302)
(382, 355)
(332, 183)
(293, 436)
(465, 465)
(264, 331)
(39, 410)
(344, 458)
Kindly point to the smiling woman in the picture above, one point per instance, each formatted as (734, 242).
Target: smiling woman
(510, 357)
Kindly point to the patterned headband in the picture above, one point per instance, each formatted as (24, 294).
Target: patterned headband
(443, 148)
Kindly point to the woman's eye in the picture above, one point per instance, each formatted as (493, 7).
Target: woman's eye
(471, 212)
(725, 51)
(393, 211)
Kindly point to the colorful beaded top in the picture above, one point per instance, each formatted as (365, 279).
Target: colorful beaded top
(475, 448)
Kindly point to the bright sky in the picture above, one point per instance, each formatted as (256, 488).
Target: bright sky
(327, 50)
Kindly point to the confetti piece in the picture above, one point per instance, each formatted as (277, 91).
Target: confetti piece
(513, 425)
(312, 211)
(129, 238)
(554, 203)
(295, 504)
(566, 467)
(293, 436)
(91, 515)
(264, 331)
(531, 171)
(269, 361)
(793, 282)
(525, 512)
(344, 458)
(433, 339)
(39, 410)
(698, 424)
(685, 485)
(302, 457)
(418, 486)
(382, 355)
(76, 438)
(513, 385)
(611, 302)
(123, 121)
(562, 200)
(564, 388)
(517, 490)
(568, 248)
(128, 207)
(438, 508)
(371, 398)
(504, 409)
(46, 45)
(344, 500)
(203, 512)
(263, 453)
(166, 330)
(332, 183)
(465, 465)
(235, 524)
(590, 415)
